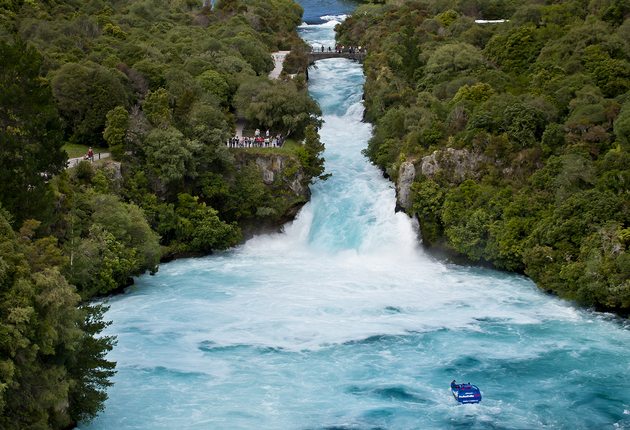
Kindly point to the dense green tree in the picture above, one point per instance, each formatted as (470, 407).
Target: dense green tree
(282, 106)
(30, 133)
(115, 130)
(453, 58)
(514, 51)
(43, 334)
(310, 155)
(156, 108)
(528, 145)
(90, 368)
(170, 153)
(214, 83)
(157, 81)
(85, 96)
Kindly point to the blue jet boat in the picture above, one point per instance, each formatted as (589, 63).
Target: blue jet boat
(466, 393)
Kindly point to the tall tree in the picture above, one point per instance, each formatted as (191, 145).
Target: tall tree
(310, 154)
(30, 133)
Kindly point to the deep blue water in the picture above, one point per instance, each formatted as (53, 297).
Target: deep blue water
(319, 11)
(343, 322)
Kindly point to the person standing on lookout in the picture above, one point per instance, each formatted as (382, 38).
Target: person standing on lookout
(91, 154)
(267, 133)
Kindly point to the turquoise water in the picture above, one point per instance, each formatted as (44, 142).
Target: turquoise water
(343, 322)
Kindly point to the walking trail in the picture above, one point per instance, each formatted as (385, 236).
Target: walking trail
(278, 61)
(72, 162)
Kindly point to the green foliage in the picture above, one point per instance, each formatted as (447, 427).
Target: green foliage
(622, 127)
(524, 124)
(170, 153)
(478, 93)
(514, 51)
(450, 58)
(616, 12)
(43, 337)
(84, 171)
(310, 154)
(156, 108)
(30, 133)
(537, 172)
(157, 82)
(214, 83)
(447, 18)
(89, 367)
(85, 95)
(115, 130)
(193, 226)
(428, 198)
(282, 106)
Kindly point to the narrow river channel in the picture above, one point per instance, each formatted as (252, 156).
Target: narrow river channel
(343, 322)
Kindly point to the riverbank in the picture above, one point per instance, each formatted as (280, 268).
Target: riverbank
(496, 165)
(346, 312)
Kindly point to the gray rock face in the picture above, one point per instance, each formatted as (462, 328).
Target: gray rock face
(456, 163)
(406, 176)
(271, 167)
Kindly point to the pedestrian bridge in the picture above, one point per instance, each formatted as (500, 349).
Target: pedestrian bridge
(315, 56)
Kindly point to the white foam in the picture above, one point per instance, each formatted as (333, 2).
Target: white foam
(338, 18)
(343, 321)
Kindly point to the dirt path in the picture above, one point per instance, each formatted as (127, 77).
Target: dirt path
(278, 60)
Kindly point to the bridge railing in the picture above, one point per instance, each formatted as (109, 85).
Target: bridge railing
(335, 51)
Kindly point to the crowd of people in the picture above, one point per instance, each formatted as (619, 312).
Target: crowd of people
(256, 141)
(340, 49)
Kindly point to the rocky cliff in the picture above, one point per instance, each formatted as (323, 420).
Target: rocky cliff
(283, 174)
(455, 165)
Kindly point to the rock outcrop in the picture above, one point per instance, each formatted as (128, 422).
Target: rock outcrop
(406, 176)
(275, 167)
(456, 164)
(284, 176)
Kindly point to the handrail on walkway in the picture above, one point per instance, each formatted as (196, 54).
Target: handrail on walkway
(247, 140)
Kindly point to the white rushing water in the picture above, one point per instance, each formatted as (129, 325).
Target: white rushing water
(343, 322)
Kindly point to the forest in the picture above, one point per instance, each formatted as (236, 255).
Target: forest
(159, 85)
(541, 101)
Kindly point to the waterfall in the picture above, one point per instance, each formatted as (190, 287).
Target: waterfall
(343, 322)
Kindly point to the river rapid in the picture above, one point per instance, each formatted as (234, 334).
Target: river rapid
(343, 322)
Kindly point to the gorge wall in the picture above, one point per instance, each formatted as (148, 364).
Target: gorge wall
(284, 176)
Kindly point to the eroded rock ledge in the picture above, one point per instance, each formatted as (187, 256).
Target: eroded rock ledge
(456, 164)
(283, 174)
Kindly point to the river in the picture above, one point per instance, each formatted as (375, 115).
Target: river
(343, 322)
